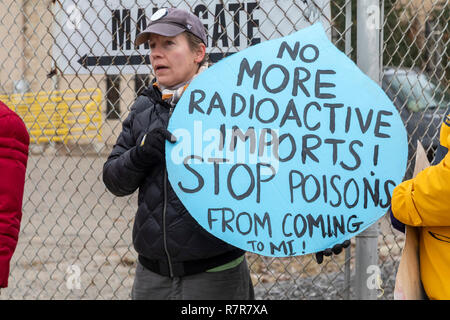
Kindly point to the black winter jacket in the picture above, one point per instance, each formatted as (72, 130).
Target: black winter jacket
(168, 240)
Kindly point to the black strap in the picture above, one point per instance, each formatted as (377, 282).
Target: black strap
(180, 269)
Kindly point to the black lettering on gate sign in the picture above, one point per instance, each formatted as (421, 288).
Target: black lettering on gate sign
(197, 11)
(121, 29)
(252, 23)
(220, 27)
(141, 25)
(236, 8)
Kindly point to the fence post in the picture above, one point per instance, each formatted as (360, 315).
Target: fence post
(368, 60)
(348, 50)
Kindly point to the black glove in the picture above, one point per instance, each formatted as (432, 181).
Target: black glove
(152, 148)
(396, 223)
(328, 252)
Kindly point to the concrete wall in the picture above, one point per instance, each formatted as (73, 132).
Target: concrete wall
(27, 31)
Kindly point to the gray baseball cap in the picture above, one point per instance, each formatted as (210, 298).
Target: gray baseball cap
(170, 22)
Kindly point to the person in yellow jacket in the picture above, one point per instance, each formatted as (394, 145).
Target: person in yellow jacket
(424, 201)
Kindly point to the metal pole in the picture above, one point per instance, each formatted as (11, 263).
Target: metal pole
(22, 85)
(348, 50)
(56, 78)
(368, 60)
(348, 28)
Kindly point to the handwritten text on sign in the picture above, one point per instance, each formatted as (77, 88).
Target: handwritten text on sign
(286, 148)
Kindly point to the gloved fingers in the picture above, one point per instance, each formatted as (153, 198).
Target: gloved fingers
(337, 248)
(166, 134)
(319, 257)
(153, 145)
(172, 138)
(346, 243)
(158, 156)
(160, 140)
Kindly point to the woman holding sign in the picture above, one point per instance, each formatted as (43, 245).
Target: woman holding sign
(178, 259)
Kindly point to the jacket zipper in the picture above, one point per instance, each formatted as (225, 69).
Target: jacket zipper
(164, 215)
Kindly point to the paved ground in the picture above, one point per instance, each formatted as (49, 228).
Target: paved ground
(70, 219)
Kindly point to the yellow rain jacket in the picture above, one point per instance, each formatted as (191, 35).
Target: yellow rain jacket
(425, 201)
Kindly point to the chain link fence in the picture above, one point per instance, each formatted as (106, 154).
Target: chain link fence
(75, 240)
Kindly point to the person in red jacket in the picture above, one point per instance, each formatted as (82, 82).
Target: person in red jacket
(14, 141)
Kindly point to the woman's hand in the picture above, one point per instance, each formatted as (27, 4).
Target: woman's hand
(328, 252)
(152, 148)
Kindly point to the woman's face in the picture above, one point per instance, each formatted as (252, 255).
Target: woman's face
(172, 59)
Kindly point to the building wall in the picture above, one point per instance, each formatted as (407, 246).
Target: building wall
(27, 32)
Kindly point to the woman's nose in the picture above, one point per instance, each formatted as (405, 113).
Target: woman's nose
(155, 52)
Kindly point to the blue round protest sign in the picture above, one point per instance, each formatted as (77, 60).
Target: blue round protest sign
(286, 148)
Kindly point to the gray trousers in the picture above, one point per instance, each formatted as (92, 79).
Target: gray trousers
(231, 284)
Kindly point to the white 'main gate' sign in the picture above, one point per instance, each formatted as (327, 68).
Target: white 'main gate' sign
(98, 36)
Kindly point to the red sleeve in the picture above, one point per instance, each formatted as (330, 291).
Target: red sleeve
(14, 141)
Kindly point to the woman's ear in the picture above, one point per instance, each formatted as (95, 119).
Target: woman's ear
(200, 53)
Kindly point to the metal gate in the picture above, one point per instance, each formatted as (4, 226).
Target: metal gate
(75, 239)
